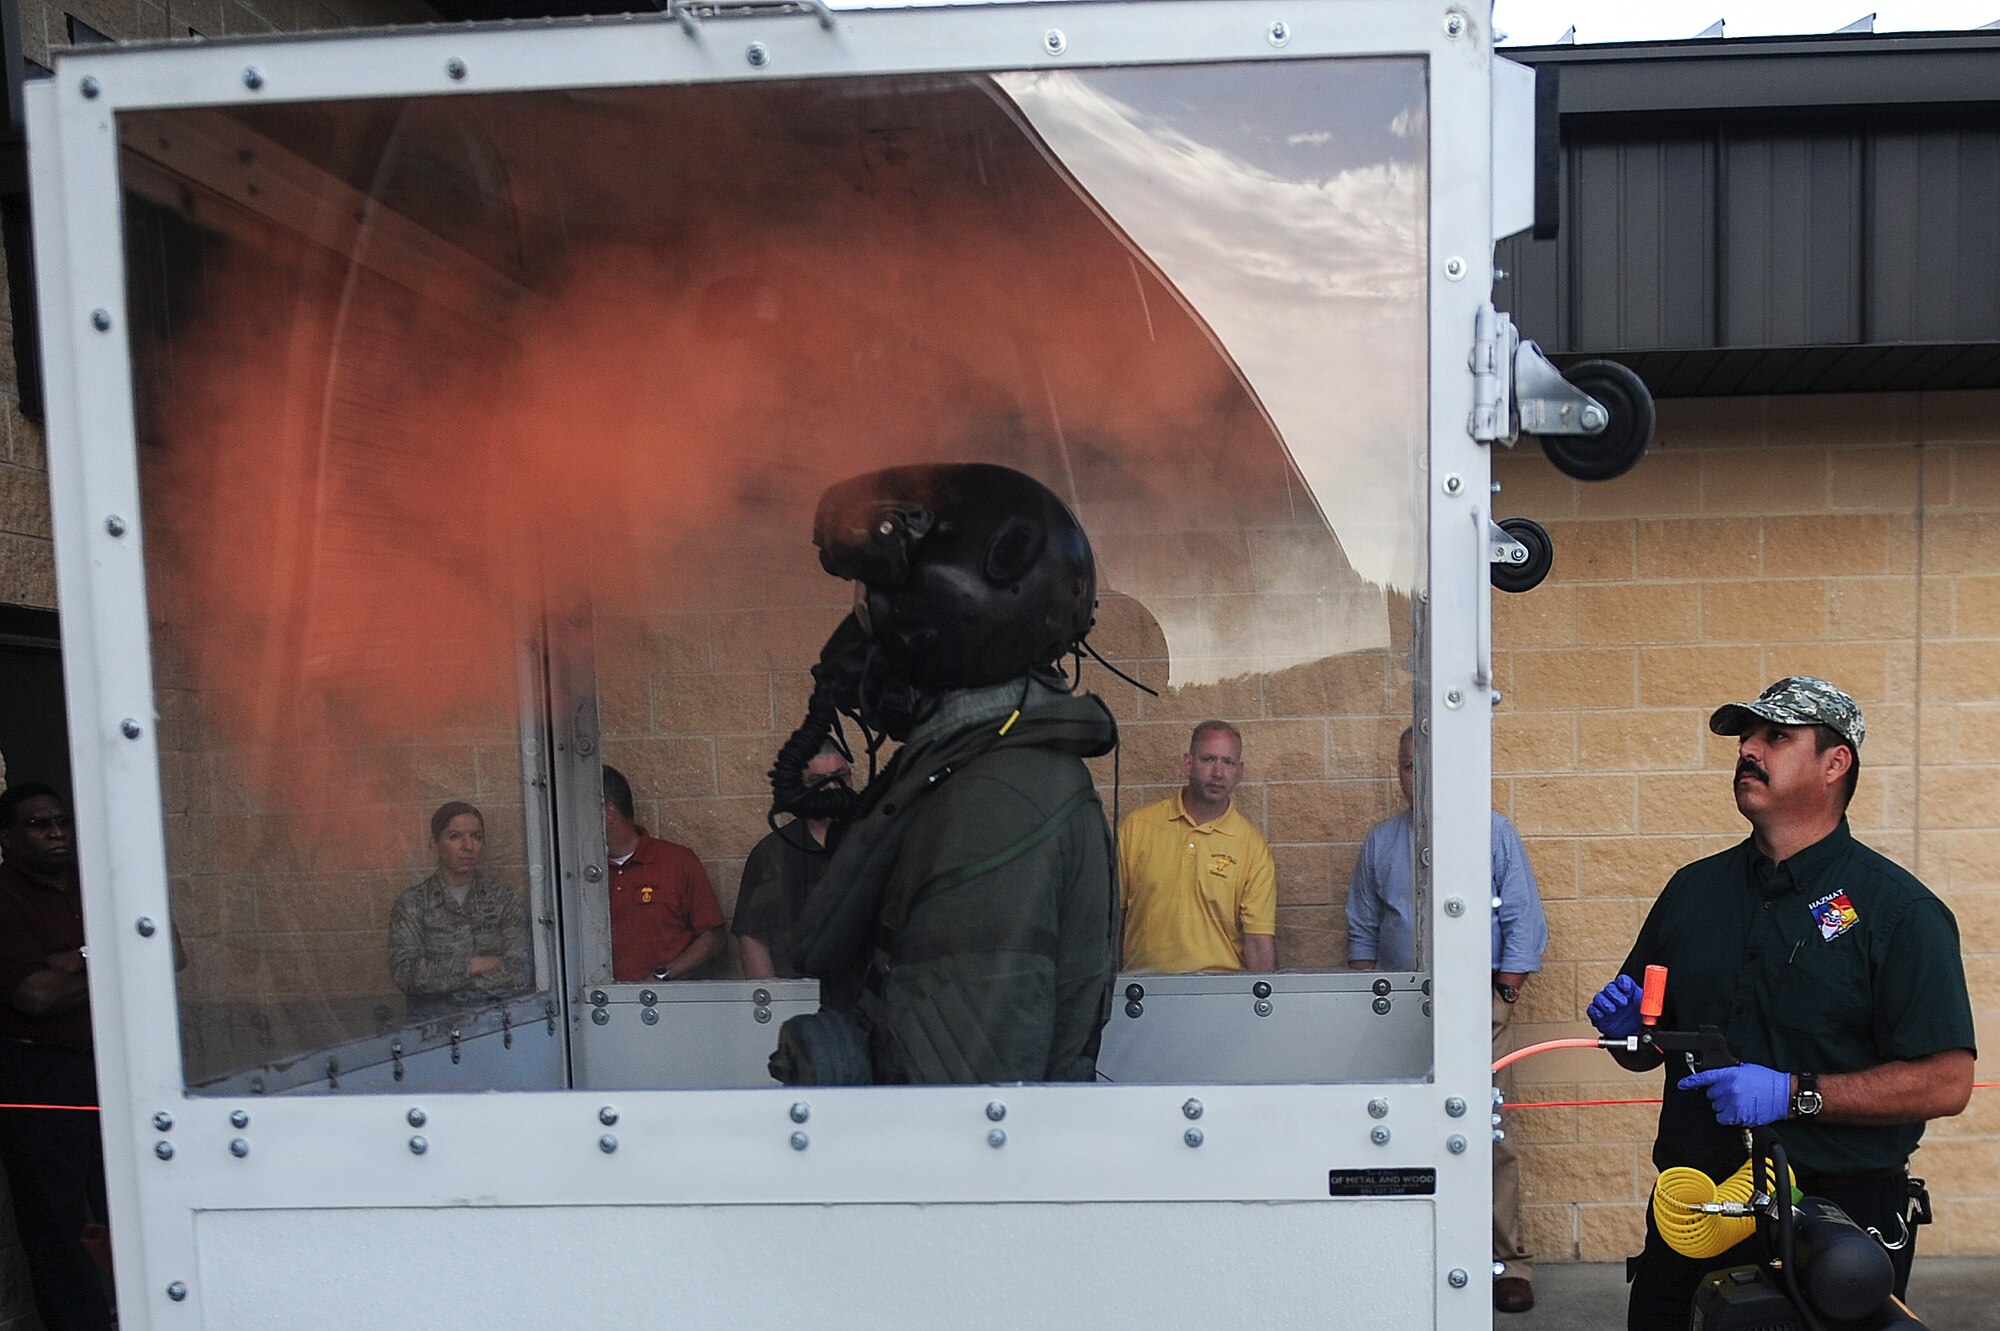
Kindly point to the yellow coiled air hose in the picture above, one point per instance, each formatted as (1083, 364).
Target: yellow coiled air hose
(1692, 1232)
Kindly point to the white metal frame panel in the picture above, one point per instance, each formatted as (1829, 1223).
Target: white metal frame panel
(664, 1149)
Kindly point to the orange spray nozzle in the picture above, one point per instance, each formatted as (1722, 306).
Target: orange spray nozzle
(1653, 997)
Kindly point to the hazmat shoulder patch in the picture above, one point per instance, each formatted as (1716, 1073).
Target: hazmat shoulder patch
(1834, 914)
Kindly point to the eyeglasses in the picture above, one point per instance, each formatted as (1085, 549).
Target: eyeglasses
(61, 820)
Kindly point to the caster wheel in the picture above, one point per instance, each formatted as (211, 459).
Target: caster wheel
(1617, 450)
(1527, 576)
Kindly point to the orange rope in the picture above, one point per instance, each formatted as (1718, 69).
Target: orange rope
(86, 1108)
(1587, 1104)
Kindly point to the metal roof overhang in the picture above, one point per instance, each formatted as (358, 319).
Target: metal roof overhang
(1795, 215)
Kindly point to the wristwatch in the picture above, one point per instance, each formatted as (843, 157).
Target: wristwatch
(1807, 1103)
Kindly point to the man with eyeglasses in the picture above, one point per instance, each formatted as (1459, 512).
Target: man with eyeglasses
(54, 1158)
(1196, 879)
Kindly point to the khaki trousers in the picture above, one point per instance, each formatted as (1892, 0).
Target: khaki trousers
(1507, 1239)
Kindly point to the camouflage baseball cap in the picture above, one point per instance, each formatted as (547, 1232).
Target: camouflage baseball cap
(1795, 700)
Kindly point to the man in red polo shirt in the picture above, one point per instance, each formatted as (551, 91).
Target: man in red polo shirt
(665, 924)
(54, 1159)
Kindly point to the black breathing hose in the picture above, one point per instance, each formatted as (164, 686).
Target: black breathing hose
(1787, 1253)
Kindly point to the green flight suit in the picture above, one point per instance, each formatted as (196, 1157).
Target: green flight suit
(969, 919)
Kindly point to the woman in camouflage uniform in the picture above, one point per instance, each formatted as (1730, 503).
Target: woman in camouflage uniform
(458, 939)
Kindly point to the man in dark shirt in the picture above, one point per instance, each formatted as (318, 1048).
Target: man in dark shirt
(54, 1158)
(1834, 975)
(781, 870)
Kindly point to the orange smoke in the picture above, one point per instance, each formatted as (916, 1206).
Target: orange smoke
(674, 317)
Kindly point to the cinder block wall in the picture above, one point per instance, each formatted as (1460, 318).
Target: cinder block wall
(1849, 537)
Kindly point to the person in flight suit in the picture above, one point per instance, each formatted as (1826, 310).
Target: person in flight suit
(966, 928)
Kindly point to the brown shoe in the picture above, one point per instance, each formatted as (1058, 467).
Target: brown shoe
(1511, 1294)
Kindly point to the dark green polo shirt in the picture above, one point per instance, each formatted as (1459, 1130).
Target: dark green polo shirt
(1834, 961)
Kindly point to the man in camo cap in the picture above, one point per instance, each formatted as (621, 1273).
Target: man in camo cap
(1832, 972)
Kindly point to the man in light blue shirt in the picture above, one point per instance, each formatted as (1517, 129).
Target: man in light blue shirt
(1382, 934)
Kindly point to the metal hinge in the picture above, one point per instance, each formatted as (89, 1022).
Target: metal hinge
(1494, 339)
(1516, 388)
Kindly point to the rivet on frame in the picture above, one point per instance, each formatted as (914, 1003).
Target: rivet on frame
(88, 86)
(253, 78)
(454, 68)
(101, 320)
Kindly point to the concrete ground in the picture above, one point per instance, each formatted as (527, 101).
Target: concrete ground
(1949, 1293)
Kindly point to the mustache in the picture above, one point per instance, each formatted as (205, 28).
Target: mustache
(1750, 767)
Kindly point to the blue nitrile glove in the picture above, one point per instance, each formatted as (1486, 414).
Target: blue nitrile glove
(1745, 1096)
(1615, 1010)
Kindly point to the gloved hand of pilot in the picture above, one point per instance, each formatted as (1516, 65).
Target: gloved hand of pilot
(1615, 1010)
(1745, 1096)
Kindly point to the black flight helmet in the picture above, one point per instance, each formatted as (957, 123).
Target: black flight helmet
(973, 574)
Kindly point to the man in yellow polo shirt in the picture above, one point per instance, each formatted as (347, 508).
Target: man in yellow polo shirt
(1195, 877)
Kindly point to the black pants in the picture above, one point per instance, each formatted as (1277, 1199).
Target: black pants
(55, 1170)
(1664, 1282)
